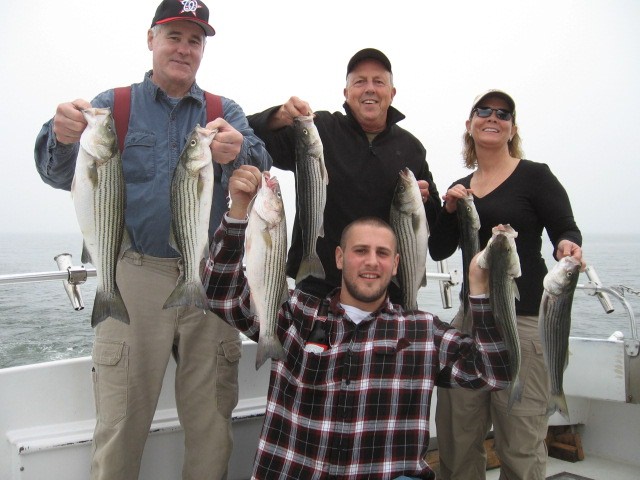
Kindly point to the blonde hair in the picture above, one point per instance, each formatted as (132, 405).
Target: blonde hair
(470, 157)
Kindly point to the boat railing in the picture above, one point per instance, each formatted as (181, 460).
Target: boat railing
(74, 276)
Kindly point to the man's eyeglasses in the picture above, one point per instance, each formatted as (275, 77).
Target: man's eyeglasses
(485, 112)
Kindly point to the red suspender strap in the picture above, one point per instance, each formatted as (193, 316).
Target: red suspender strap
(214, 106)
(121, 109)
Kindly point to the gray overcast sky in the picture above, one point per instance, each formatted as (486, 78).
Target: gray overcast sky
(573, 68)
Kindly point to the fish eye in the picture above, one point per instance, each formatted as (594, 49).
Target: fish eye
(193, 142)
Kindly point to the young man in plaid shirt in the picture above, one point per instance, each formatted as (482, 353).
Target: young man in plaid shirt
(359, 409)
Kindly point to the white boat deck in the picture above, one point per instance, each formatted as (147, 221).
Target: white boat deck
(592, 467)
(47, 416)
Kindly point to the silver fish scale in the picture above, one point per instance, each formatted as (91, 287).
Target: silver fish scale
(109, 219)
(266, 275)
(311, 181)
(98, 191)
(409, 222)
(312, 196)
(185, 216)
(409, 255)
(274, 277)
(502, 288)
(469, 226)
(554, 324)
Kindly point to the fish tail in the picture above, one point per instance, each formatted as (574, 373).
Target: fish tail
(109, 304)
(515, 392)
(558, 403)
(187, 294)
(269, 347)
(310, 266)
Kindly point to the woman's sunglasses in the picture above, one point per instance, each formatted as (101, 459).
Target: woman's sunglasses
(485, 112)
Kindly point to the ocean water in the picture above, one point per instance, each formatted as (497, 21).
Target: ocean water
(38, 323)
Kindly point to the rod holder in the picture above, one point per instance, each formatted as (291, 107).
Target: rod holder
(595, 284)
(445, 287)
(72, 283)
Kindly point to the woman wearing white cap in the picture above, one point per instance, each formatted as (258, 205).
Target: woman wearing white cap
(507, 189)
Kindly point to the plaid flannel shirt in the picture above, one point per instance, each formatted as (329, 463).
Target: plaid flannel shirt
(360, 409)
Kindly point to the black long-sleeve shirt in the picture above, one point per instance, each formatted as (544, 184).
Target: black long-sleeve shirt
(530, 199)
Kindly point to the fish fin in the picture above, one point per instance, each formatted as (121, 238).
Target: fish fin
(269, 347)
(252, 305)
(516, 292)
(424, 280)
(321, 230)
(73, 186)
(310, 266)
(285, 294)
(172, 240)
(187, 294)
(325, 174)
(456, 321)
(483, 261)
(558, 403)
(515, 392)
(125, 244)
(109, 304)
(566, 361)
(86, 256)
(467, 320)
(415, 221)
(267, 238)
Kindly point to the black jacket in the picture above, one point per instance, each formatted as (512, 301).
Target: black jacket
(362, 180)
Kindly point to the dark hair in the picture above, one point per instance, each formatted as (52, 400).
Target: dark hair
(371, 221)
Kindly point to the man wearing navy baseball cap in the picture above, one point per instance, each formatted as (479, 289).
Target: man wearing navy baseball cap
(130, 359)
(364, 150)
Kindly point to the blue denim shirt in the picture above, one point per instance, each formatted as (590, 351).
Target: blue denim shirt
(156, 136)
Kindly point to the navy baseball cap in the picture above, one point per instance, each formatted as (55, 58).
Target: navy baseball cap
(190, 10)
(369, 54)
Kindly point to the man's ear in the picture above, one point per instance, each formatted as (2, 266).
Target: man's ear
(339, 257)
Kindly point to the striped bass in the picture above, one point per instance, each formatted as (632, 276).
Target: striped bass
(265, 259)
(409, 222)
(191, 194)
(554, 324)
(311, 192)
(501, 258)
(469, 226)
(98, 192)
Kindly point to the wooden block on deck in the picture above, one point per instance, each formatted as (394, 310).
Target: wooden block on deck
(564, 444)
(492, 457)
(433, 459)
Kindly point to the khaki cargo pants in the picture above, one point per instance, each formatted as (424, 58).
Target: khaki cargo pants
(464, 417)
(129, 363)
